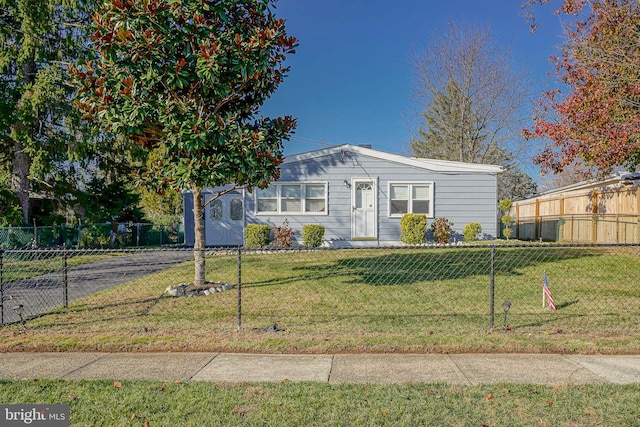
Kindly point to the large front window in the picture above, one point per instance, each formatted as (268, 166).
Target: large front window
(416, 198)
(293, 198)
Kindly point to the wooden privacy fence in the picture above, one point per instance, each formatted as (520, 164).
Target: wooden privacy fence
(608, 214)
(580, 228)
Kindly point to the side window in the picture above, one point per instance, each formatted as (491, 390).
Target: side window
(412, 197)
(216, 209)
(236, 210)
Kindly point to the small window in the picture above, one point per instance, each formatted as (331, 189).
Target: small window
(414, 198)
(267, 199)
(236, 210)
(216, 209)
(290, 200)
(315, 200)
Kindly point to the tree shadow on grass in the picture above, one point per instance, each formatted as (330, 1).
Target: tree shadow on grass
(405, 267)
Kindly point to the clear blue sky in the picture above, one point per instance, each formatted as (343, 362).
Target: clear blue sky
(351, 78)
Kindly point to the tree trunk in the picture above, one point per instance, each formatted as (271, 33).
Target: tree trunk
(20, 178)
(198, 244)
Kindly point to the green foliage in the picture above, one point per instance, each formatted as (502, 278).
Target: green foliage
(257, 235)
(282, 235)
(10, 212)
(96, 236)
(312, 235)
(187, 79)
(413, 229)
(471, 231)
(442, 229)
(110, 202)
(505, 205)
(40, 132)
(507, 220)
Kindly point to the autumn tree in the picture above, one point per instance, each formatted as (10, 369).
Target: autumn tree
(594, 118)
(474, 101)
(186, 80)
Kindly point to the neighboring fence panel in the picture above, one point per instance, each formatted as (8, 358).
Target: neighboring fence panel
(600, 229)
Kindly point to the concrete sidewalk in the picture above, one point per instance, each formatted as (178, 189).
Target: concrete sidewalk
(469, 369)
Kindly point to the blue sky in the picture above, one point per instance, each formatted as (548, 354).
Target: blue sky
(351, 79)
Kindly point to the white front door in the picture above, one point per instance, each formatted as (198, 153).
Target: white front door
(224, 220)
(364, 209)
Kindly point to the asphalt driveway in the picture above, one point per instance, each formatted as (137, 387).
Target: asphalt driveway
(42, 293)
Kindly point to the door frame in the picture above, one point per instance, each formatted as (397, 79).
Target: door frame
(354, 184)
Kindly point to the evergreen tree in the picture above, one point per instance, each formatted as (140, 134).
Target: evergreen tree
(38, 127)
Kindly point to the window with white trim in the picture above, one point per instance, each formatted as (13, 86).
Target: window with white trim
(410, 197)
(293, 198)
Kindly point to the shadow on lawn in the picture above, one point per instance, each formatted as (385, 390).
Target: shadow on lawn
(404, 267)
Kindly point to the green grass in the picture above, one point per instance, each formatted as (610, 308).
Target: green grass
(98, 403)
(386, 300)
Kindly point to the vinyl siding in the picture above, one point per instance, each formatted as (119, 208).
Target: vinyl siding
(458, 196)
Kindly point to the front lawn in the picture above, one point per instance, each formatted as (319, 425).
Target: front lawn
(383, 300)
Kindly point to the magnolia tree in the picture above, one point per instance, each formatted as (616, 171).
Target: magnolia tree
(185, 79)
(597, 121)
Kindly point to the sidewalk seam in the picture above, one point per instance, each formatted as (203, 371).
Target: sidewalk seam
(103, 355)
(460, 370)
(203, 368)
(333, 359)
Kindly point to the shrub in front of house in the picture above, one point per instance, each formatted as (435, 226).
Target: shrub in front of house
(257, 235)
(442, 229)
(312, 235)
(471, 231)
(413, 229)
(507, 220)
(283, 235)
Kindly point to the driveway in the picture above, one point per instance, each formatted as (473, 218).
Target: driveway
(45, 292)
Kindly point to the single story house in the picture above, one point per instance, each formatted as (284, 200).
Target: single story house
(358, 194)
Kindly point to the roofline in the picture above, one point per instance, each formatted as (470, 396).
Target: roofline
(427, 164)
(611, 179)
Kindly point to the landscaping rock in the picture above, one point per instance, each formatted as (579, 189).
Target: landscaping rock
(189, 289)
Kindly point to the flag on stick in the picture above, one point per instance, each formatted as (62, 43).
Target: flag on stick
(546, 292)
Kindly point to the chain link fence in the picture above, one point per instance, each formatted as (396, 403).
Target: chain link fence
(322, 292)
(107, 235)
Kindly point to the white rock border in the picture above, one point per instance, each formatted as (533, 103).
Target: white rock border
(190, 290)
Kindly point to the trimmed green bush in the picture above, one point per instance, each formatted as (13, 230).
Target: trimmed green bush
(442, 229)
(312, 235)
(471, 231)
(413, 229)
(507, 220)
(257, 235)
(505, 205)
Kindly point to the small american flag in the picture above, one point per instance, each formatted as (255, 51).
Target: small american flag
(547, 292)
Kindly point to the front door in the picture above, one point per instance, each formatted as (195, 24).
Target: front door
(364, 209)
(224, 220)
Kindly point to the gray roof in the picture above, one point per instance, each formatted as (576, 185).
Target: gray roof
(427, 164)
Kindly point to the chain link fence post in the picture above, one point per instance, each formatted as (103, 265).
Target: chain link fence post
(492, 288)
(65, 281)
(239, 288)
